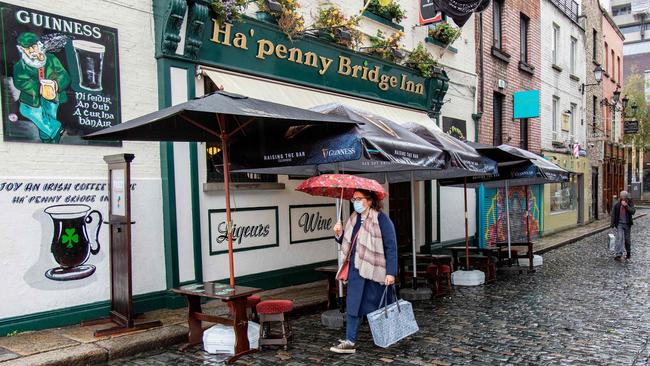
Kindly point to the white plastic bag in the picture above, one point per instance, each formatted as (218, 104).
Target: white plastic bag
(611, 242)
(221, 338)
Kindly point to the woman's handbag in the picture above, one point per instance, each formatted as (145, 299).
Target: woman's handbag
(342, 274)
(393, 322)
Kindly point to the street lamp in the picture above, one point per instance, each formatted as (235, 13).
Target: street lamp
(598, 75)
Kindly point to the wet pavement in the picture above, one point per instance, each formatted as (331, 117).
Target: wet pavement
(581, 308)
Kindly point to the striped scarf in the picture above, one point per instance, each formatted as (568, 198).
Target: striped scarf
(369, 257)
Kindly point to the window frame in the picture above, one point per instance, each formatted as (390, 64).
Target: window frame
(572, 121)
(524, 23)
(573, 55)
(555, 110)
(594, 45)
(497, 24)
(497, 99)
(555, 46)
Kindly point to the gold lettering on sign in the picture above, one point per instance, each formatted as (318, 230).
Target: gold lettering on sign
(344, 66)
(264, 48)
(216, 31)
(281, 51)
(222, 34)
(240, 41)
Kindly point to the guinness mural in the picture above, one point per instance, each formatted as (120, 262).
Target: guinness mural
(60, 77)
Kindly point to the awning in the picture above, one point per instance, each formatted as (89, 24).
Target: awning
(303, 97)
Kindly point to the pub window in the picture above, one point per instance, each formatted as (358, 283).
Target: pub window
(497, 114)
(564, 196)
(556, 116)
(523, 131)
(523, 41)
(594, 45)
(497, 19)
(555, 43)
(574, 50)
(214, 159)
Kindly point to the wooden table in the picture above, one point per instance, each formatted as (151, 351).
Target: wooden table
(332, 285)
(237, 300)
(527, 244)
(427, 259)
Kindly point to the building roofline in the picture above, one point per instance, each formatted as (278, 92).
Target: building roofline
(611, 21)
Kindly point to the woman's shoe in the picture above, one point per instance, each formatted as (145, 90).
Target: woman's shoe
(344, 347)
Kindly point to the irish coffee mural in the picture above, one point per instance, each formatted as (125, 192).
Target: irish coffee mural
(60, 77)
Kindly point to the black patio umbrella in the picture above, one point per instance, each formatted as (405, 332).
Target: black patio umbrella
(516, 167)
(461, 10)
(223, 117)
(375, 145)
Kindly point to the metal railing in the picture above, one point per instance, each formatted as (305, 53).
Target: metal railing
(568, 7)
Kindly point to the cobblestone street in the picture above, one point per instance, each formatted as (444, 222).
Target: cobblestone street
(582, 308)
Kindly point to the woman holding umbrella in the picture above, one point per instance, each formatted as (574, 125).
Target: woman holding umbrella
(370, 245)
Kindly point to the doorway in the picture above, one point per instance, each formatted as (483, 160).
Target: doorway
(594, 192)
(581, 200)
(399, 202)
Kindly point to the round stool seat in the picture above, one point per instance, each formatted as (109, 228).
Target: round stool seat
(444, 268)
(274, 306)
(253, 300)
(432, 269)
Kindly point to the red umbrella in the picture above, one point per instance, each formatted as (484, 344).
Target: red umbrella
(340, 186)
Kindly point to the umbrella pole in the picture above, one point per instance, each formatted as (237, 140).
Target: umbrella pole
(530, 255)
(339, 258)
(226, 183)
(466, 227)
(415, 268)
(508, 218)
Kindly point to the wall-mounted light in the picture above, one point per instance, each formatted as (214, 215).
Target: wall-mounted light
(598, 75)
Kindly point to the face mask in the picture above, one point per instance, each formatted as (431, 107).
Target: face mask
(358, 207)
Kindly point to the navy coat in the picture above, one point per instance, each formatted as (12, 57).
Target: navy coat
(363, 295)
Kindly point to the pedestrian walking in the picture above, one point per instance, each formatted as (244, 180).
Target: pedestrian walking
(370, 245)
(622, 220)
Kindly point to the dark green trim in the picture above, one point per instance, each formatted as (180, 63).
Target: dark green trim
(285, 277)
(76, 314)
(438, 212)
(428, 217)
(436, 42)
(291, 241)
(382, 20)
(265, 208)
(196, 212)
(170, 230)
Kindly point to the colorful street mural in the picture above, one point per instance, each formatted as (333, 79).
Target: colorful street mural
(493, 220)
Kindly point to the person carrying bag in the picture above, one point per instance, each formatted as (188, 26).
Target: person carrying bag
(392, 322)
(369, 245)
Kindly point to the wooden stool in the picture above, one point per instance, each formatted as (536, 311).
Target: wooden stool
(486, 265)
(443, 281)
(432, 277)
(274, 311)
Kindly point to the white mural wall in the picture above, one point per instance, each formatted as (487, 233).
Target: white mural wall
(35, 176)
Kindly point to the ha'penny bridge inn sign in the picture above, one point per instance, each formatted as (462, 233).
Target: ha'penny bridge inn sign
(260, 48)
(60, 77)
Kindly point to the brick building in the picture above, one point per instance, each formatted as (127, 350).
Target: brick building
(507, 63)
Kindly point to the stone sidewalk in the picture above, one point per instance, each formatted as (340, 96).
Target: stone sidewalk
(76, 345)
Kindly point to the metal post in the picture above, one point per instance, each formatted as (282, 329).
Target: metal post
(226, 183)
(466, 227)
(508, 219)
(415, 268)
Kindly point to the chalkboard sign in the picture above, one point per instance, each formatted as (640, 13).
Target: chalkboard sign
(60, 77)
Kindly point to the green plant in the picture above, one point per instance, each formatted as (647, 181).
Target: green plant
(228, 10)
(290, 21)
(445, 33)
(13, 333)
(422, 60)
(393, 11)
(333, 21)
(456, 132)
(386, 48)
